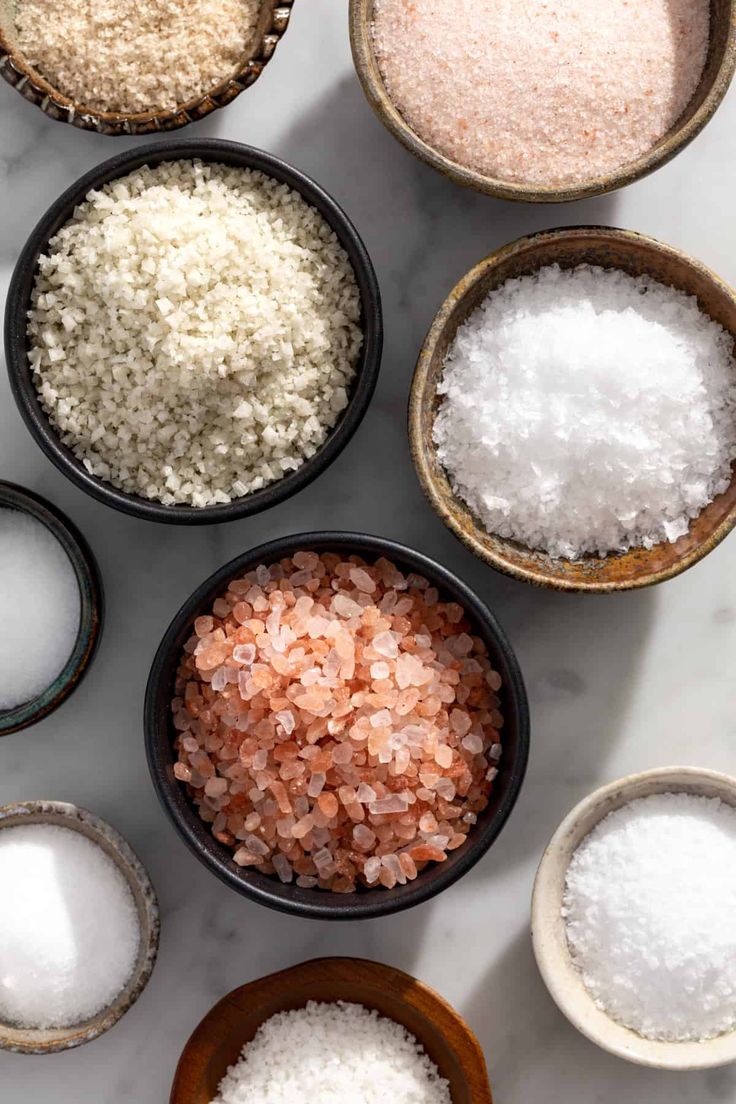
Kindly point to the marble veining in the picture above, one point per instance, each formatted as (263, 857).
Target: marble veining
(616, 684)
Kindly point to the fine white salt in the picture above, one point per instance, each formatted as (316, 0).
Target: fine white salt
(649, 910)
(39, 608)
(325, 1053)
(69, 925)
(588, 411)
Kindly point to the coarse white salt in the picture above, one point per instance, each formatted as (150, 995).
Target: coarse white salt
(588, 411)
(169, 54)
(70, 930)
(194, 332)
(542, 92)
(39, 608)
(649, 907)
(324, 1053)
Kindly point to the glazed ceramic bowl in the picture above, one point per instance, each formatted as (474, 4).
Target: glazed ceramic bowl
(91, 613)
(548, 929)
(272, 23)
(714, 83)
(16, 346)
(218, 1040)
(316, 903)
(569, 247)
(48, 1041)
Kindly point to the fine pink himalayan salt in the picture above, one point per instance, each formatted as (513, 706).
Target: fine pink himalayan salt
(542, 92)
(337, 722)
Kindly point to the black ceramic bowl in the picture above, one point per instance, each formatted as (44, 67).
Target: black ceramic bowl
(16, 346)
(321, 904)
(85, 567)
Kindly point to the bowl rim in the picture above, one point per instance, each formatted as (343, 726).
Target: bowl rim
(669, 146)
(549, 944)
(238, 155)
(341, 967)
(421, 394)
(261, 888)
(91, 603)
(40, 811)
(34, 87)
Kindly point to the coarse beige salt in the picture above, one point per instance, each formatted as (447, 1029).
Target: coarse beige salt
(337, 722)
(135, 55)
(542, 92)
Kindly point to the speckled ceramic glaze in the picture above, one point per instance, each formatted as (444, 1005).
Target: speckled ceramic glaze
(91, 612)
(595, 245)
(30, 1041)
(714, 83)
(273, 21)
(560, 975)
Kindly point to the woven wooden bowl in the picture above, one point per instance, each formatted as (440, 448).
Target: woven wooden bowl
(714, 83)
(23, 1040)
(549, 938)
(595, 245)
(222, 1034)
(272, 23)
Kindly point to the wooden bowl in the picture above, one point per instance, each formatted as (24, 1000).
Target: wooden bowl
(24, 1040)
(273, 21)
(320, 904)
(91, 613)
(561, 976)
(594, 245)
(217, 1042)
(235, 155)
(714, 83)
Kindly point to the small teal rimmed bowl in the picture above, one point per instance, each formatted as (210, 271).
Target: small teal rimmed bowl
(13, 497)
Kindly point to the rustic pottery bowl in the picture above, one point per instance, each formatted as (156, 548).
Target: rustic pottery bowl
(272, 23)
(714, 83)
(548, 930)
(218, 1040)
(569, 247)
(16, 345)
(316, 903)
(24, 1040)
(85, 568)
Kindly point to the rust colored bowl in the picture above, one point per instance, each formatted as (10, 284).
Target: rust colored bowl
(594, 245)
(272, 23)
(714, 83)
(217, 1042)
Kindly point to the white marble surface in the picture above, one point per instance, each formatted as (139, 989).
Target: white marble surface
(616, 684)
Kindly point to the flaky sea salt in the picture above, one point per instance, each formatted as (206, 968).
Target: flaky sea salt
(586, 410)
(649, 907)
(68, 923)
(39, 608)
(542, 92)
(324, 1053)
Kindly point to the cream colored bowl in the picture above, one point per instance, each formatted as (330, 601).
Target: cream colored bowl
(548, 930)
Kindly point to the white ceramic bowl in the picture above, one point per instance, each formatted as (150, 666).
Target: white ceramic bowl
(548, 930)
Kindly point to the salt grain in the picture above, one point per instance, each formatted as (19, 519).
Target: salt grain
(39, 608)
(649, 906)
(70, 929)
(324, 1053)
(586, 410)
(547, 93)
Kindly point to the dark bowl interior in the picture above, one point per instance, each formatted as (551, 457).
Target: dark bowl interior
(321, 904)
(16, 344)
(87, 572)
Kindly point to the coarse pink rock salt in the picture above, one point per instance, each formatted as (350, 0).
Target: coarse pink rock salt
(337, 722)
(542, 92)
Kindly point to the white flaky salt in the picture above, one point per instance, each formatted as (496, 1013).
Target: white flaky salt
(333, 1052)
(588, 411)
(39, 608)
(69, 930)
(649, 907)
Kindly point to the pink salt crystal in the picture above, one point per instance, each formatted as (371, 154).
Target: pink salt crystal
(302, 827)
(182, 772)
(460, 721)
(385, 644)
(472, 743)
(394, 803)
(219, 679)
(494, 752)
(372, 869)
(244, 653)
(342, 753)
(362, 580)
(256, 845)
(306, 882)
(380, 670)
(316, 784)
(283, 867)
(203, 626)
(215, 787)
(244, 857)
(363, 837)
(365, 793)
(494, 680)
(443, 756)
